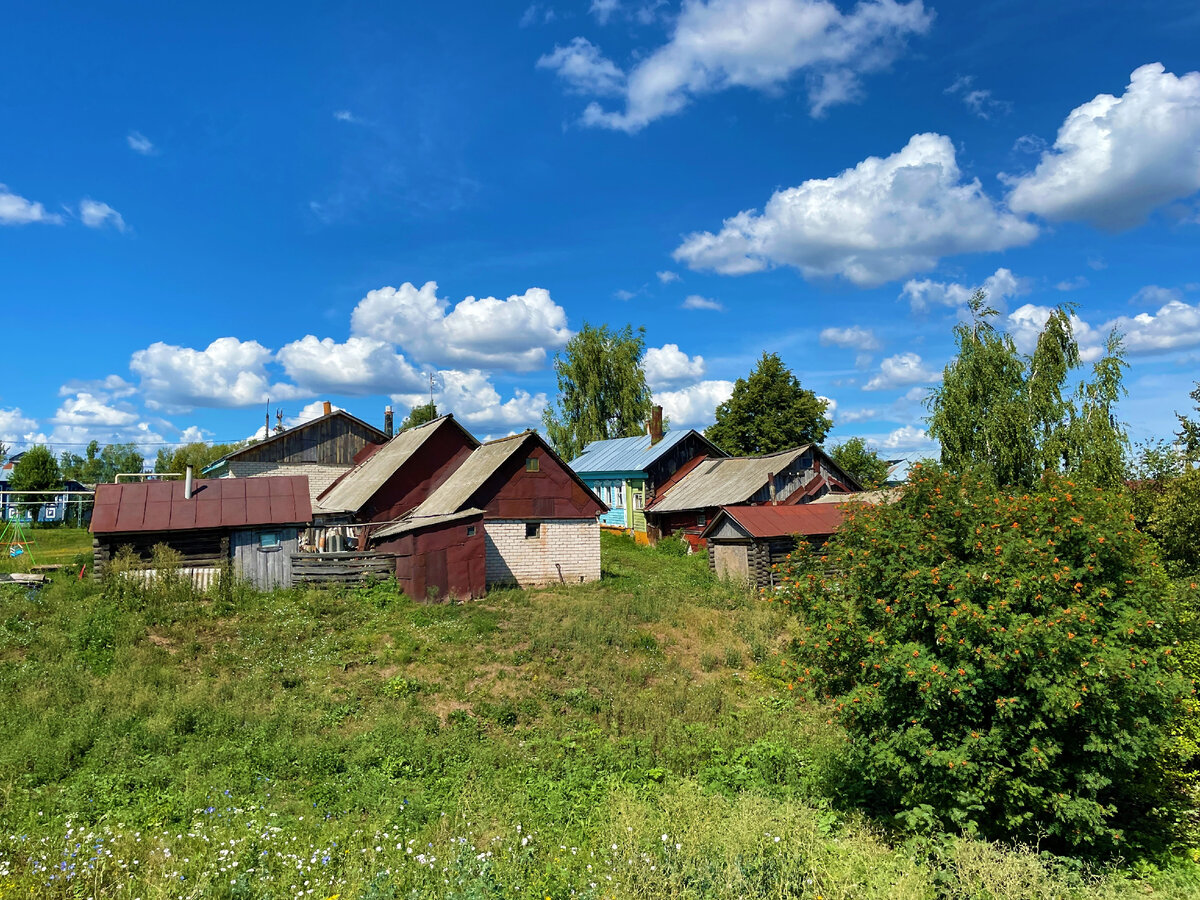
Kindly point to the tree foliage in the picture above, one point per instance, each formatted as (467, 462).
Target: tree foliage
(860, 461)
(1014, 417)
(769, 411)
(99, 465)
(1001, 661)
(36, 470)
(199, 455)
(602, 390)
(1189, 429)
(419, 415)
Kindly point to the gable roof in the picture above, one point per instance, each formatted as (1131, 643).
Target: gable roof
(723, 482)
(357, 486)
(417, 523)
(215, 503)
(779, 521)
(633, 454)
(256, 446)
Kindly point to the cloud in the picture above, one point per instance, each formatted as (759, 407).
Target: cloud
(536, 14)
(584, 69)
(668, 366)
(139, 143)
(1176, 326)
(362, 365)
(474, 400)
(92, 411)
(1152, 294)
(882, 220)
(1079, 282)
(228, 373)
(853, 338)
(901, 370)
(1001, 285)
(1025, 324)
(344, 115)
(513, 334)
(603, 10)
(623, 295)
(95, 214)
(109, 386)
(759, 44)
(695, 301)
(1116, 159)
(17, 428)
(16, 210)
(980, 102)
(695, 404)
(907, 437)
(668, 276)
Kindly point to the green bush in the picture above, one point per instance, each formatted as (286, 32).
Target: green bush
(1002, 663)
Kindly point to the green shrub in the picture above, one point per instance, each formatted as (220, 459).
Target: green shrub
(1002, 664)
(672, 545)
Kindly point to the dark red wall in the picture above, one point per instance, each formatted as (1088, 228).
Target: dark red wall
(549, 493)
(441, 561)
(442, 453)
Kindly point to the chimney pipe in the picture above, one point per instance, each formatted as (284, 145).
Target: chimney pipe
(327, 408)
(387, 421)
(187, 484)
(656, 425)
(771, 486)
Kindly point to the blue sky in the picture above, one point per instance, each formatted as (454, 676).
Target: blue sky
(206, 207)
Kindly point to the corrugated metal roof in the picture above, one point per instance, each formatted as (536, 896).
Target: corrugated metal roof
(631, 454)
(722, 482)
(216, 503)
(470, 476)
(359, 485)
(416, 523)
(780, 521)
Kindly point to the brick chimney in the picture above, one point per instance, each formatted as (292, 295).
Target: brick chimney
(327, 408)
(655, 427)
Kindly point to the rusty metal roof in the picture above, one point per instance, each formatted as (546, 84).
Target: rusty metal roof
(418, 523)
(470, 476)
(356, 487)
(781, 521)
(216, 503)
(721, 482)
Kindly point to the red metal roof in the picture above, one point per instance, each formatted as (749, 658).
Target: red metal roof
(780, 521)
(215, 503)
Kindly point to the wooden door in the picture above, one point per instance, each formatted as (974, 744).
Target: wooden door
(732, 561)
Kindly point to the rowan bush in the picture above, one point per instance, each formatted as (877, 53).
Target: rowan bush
(1003, 663)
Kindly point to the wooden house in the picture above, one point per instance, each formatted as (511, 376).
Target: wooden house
(628, 474)
(745, 543)
(511, 512)
(321, 450)
(252, 524)
(790, 477)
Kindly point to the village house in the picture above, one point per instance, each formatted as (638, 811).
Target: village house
(629, 473)
(746, 543)
(789, 477)
(321, 450)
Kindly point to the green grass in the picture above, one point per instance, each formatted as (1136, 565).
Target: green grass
(627, 738)
(50, 546)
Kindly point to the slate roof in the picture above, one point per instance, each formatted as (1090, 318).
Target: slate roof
(781, 521)
(724, 482)
(216, 503)
(350, 492)
(418, 523)
(631, 454)
(468, 478)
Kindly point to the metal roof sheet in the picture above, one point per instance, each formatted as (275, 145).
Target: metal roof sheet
(781, 521)
(723, 482)
(417, 523)
(470, 476)
(356, 487)
(631, 454)
(215, 503)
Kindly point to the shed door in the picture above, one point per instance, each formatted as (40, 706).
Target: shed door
(732, 561)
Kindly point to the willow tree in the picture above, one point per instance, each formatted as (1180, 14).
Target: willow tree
(602, 390)
(1015, 417)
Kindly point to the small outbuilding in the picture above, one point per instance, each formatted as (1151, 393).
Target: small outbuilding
(745, 543)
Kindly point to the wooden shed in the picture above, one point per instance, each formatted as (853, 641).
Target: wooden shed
(252, 522)
(746, 542)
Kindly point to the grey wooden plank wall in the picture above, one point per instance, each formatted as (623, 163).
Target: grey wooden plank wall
(265, 568)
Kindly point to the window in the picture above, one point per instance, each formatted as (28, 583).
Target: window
(701, 519)
(638, 499)
(533, 464)
(470, 531)
(268, 540)
(533, 529)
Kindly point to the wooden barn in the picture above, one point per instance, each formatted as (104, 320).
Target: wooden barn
(253, 523)
(512, 512)
(790, 477)
(745, 543)
(321, 450)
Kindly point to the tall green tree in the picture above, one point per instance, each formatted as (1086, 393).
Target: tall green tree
(602, 390)
(1189, 429)
(36, 470)
(860, 461)
(198, 454)
(1014, 416)
(769, 411)
(101, 464)
(419, 415)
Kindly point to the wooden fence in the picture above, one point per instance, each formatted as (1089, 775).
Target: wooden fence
(350, 566)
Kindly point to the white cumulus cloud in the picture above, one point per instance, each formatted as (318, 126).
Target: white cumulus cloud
(694, 405)
(901, 370)
(695, 301)
(1000, 286)
(91, 410)
(16, 427)
(854, 337)
(667, 365)
(1116, 159)
(668, 276)
(474, 400)
(361, 365)
(882, 220)
(227, 373)
(16, 210)
(95, 214)
(584, 69)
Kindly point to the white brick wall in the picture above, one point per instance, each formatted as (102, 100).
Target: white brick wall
(319, 476)
(574, 544)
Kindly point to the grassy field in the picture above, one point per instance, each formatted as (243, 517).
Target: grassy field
(58, 545)
(621, 739)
